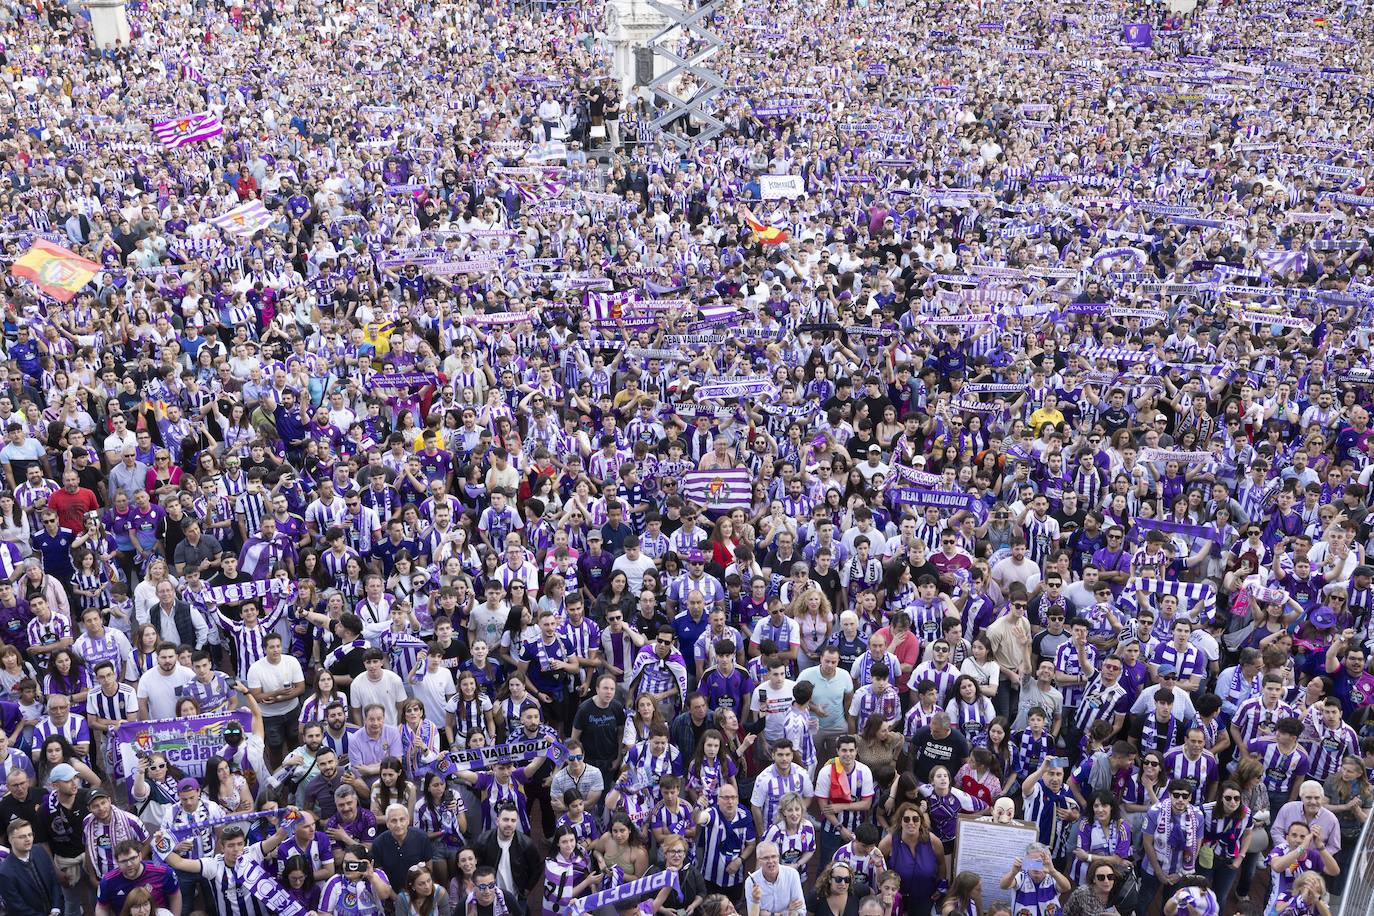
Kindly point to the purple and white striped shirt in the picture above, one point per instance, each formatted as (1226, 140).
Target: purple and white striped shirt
(1203, 771)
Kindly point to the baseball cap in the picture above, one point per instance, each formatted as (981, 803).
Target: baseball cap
(63, 772)
(594, 535)
(186, 785)
(695, 556)
(875, 447)
(1167, 671)
(99, 793)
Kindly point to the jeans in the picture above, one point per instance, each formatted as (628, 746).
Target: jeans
(1006, 700)
(1149, 888)
(1223, 878)
(1247, 873)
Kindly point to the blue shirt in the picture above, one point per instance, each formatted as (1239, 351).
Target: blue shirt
(57, 552)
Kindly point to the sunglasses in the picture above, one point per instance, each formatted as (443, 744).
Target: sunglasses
(577, 756)
(487, 886)
(1151, 763)
(911, 819)
(1234, 798)
(1104, 877)
(1180, 794)
(840, 879)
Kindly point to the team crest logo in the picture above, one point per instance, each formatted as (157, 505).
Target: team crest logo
(59, 273)
(718, 489)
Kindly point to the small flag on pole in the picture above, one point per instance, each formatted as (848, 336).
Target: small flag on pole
(187, 129)
(247, 219)
(55, 270)
(728, 488)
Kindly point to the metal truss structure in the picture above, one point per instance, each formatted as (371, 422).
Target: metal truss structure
(687, 28)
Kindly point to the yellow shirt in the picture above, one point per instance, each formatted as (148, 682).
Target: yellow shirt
(1043, 416)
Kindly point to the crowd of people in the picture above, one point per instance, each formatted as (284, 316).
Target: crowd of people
(977, 427)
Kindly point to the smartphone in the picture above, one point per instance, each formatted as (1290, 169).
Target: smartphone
(1061, 762)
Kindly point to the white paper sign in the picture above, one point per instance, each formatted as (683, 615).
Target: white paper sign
(987, 848)
(775, 187)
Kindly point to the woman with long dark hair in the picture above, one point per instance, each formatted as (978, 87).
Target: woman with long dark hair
(915, 853)
(1226, 827)
(1104, 837)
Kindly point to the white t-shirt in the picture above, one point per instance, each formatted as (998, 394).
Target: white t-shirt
(434, 690)
(775, 705)
(161, 690)
(270, 678)
(487, 624)
(634, 571)
(388, 691)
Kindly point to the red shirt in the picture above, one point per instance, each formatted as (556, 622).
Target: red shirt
(70, 507)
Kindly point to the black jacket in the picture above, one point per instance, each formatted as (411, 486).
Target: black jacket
(526, 865)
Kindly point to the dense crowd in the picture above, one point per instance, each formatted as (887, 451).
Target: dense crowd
(977, 428)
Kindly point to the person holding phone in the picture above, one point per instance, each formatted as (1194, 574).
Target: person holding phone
(356, 881)
(1035, 882)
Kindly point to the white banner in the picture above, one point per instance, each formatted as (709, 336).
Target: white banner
(775, 187)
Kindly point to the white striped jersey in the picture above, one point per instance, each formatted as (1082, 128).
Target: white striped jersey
(860, 785)
(719, 842)
(1039, 810)
(1326, 747)
(792, 846)
(797, 727)
(1254, 720)
(202, 841)
(771, 786)
(1281, 771)
(1202, 772)
(249, 642)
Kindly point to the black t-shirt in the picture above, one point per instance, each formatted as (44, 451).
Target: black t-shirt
(600, 730)
(829, 582)
(64, 825)
(927, 752)
(455, 654)
(12, 808)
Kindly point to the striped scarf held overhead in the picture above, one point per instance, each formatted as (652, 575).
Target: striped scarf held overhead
(1190, 595)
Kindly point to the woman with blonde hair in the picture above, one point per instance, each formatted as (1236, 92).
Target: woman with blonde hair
(811, 609)
(1305, 897)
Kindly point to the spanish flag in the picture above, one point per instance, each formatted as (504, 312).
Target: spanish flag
(55, 270)
(765, 235)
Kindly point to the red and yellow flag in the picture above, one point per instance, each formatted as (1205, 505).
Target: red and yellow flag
(55, 270)
(766, 235)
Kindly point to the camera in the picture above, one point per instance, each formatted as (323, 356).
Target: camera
(354, 868)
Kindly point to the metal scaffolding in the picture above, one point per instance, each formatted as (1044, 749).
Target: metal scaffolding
(687, 30)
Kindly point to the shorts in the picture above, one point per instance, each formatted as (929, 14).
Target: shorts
(281, 731)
